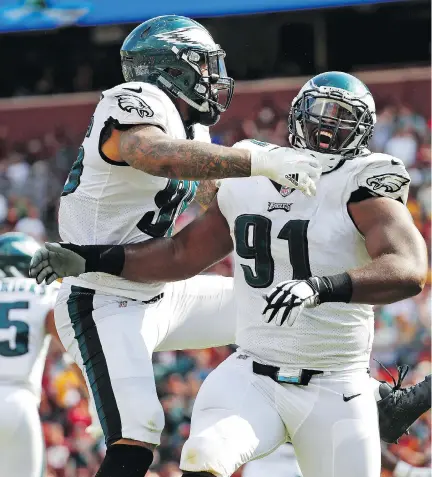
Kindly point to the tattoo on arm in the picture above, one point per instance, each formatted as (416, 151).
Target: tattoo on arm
(148, 149)
(206, 192)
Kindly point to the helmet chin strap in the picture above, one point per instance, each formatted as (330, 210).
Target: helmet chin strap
(203, 108)
(209, 118)
(200, 113)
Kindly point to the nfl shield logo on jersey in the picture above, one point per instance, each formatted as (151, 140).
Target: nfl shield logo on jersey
(285, 191)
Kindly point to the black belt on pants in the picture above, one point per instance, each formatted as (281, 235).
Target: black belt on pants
(302, 378)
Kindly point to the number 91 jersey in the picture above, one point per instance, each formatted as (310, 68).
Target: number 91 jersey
(279, 234)
(107, 202)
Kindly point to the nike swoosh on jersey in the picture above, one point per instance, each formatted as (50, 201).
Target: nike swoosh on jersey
(348, 398)
(135, 90)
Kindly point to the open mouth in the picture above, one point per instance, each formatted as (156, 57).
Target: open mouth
(323, 138)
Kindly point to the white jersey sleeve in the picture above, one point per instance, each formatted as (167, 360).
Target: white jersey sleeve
(384, 176)
(138, 103)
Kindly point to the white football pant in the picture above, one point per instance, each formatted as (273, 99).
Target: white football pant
(281, 463)
(21, 442)
(113, 338)
(239, 416)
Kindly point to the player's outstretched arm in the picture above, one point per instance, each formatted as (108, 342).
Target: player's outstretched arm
(202, 243)
(149, 149)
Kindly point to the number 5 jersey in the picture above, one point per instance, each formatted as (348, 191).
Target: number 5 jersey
(24, 306)
(106, 202)
(279, 234)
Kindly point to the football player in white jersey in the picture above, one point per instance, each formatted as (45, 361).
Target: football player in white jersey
(26, 322)
(300, 374)
(146, 145)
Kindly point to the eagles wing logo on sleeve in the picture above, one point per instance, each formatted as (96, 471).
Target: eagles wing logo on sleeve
(129, 103)
(388, 182)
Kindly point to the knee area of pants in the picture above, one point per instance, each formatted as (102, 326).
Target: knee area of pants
(203, 455)
(139, 405)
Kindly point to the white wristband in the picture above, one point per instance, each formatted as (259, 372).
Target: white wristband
(259, 163)
(259, 154)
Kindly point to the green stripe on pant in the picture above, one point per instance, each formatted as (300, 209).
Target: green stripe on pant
(80, 308)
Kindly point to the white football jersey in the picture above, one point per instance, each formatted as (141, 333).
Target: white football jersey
(280, 234)
(24, 343)
(106, 202)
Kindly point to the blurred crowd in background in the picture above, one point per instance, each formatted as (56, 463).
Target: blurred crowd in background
(32, 175)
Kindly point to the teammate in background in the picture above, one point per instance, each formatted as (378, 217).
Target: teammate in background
(351, 246)
(146, 145)
(26, 321)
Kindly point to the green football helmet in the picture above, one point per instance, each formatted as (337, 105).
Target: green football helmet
(16, 252)
(333, 115)
(179, 56)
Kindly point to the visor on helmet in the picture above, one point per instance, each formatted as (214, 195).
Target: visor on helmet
(214, 85)
(332, 125)
(330, 110)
